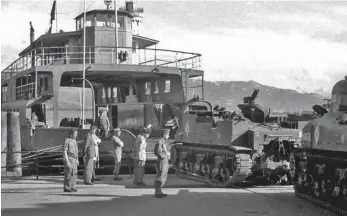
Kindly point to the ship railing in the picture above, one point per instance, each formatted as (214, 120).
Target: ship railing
(102, 55)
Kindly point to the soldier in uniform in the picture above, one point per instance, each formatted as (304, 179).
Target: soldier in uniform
(70, 154)
(161, 150)
(140, 156)
(104, 124)
(117, 152)
(89, 154)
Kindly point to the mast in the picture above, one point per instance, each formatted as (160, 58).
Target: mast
(84, 64)
(116, 33)
(56, 17)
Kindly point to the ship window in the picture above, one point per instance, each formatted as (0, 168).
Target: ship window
(25, 87)
(98, 23)
(121, 22)
(4, 90)
(115, 92)
(103, 93)
(46, 83)
(156, 89)
(134, 47)
(134, 90)
(148, 88)
(89, 23)
(167, 85)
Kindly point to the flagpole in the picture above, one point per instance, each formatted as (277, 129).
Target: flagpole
(56, 16)
(84, 64)
(116, 27)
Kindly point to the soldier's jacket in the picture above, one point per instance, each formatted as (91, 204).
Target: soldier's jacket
(89, 147)
(161, 150)
(70, 146)
(139, 149)
(104, 123)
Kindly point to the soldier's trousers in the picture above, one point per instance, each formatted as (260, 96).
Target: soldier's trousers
(139, 171)
(104, 133)
(88, 169)
(117, 161)
(70, 174)
(163, 169)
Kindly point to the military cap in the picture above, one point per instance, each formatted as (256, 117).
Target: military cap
(164, 132)
(147, 130)
(93, 126)
(116, 129)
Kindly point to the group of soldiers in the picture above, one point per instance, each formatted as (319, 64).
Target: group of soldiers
(90, 157)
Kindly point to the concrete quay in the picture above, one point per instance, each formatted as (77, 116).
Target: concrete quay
(28, 196)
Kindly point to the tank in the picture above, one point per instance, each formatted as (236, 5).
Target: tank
(223, 148)
(321, 162)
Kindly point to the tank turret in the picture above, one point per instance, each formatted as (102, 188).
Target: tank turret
(321, 164)
(254, 112)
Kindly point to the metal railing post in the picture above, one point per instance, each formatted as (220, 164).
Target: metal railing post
(36, 166)
(90, 55)
(43, 62)
(112, 55)
(155, 56)
(66, 56)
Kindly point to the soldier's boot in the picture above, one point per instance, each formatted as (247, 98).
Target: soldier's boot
(158, 192)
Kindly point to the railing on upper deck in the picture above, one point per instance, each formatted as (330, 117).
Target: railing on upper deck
(102, 55)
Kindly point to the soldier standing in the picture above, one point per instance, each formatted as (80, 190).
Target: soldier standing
(70, 154)
(140, 156)
(117, 152)
(88, 155)
(104, 124)
(163, 154)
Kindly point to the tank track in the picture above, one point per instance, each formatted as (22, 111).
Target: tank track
(216, 167)
(322, 179)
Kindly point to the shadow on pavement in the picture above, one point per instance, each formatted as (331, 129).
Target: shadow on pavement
(179, 202)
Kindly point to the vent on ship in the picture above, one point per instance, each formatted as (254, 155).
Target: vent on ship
(343, 108)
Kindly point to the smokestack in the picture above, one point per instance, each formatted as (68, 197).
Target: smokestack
(32, 33)
(129, 6)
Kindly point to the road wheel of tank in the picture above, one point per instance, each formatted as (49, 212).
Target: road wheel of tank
(233, 165)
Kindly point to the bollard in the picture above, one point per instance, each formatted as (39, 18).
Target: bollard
(14, 143)
(3, 140)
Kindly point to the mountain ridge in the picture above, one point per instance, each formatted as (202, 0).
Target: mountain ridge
(230, 93)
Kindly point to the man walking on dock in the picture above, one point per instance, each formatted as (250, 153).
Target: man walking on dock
(162, 152)
(117, 152)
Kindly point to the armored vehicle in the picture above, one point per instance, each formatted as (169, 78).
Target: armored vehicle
(321, 163)
(224, 148)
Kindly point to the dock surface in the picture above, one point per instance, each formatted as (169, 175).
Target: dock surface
(45, 196)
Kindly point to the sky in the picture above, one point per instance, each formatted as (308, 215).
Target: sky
(300, 45)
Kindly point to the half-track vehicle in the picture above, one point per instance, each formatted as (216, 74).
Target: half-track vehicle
(321, 162)
(224, 148)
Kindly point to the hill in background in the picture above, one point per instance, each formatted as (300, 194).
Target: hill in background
(230, 94)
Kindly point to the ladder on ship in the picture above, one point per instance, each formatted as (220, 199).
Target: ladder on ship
(185, 83)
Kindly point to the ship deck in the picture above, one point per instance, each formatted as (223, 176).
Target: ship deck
(102, 59)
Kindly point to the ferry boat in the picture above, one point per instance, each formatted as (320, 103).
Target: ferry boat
(125, 73)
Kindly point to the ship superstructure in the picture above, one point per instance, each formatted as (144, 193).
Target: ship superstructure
(135, 81)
